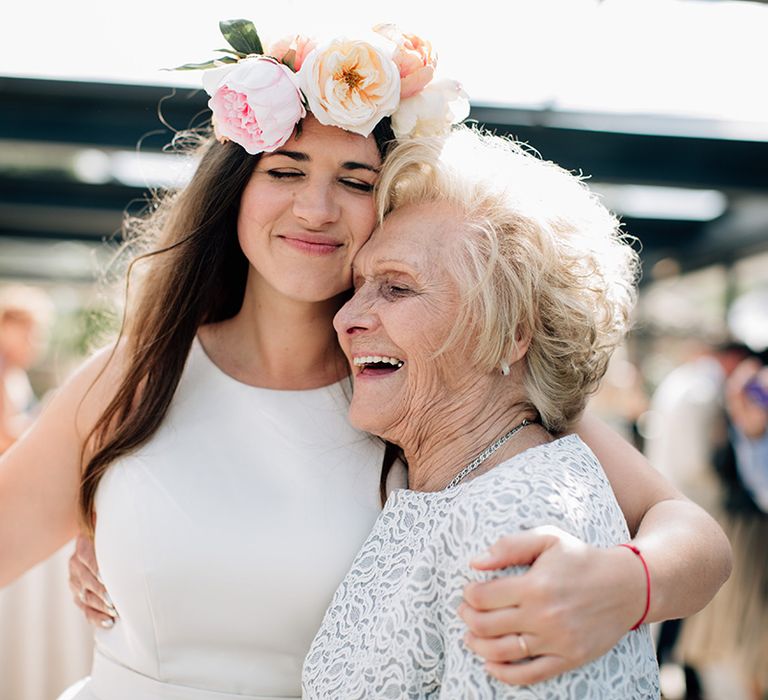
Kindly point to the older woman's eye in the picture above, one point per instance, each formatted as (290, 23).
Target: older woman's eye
(357, 184)
(396, 291)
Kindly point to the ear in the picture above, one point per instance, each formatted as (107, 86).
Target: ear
(522, 343)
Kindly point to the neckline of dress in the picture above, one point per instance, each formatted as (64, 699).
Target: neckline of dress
(411, 494)
(198, 347)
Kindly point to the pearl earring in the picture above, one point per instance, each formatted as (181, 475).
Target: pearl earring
(505, 368)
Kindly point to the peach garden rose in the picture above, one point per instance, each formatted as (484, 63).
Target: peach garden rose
(292, 50)
(414, 59)
(255, 103)
(350, 84)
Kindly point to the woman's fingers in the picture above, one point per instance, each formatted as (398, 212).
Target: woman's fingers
(509, 648)
(95, 617)
(493, 623)
(520, 549)
(89, 592)
(505, 592)
(85, 553)
(526, 672)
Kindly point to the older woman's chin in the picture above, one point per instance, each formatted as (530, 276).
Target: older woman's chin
(363, 418)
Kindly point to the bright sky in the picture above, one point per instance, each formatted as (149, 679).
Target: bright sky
(680, 57)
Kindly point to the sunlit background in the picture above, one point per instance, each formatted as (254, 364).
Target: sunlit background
(663, 103)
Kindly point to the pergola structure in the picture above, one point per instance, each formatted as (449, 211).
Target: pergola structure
(42, 199)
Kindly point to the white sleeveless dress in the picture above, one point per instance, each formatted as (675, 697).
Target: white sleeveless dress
(222, 541)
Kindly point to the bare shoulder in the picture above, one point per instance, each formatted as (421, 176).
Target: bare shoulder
(90, 388)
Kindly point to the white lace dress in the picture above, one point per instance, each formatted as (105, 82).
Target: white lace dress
(392, 630)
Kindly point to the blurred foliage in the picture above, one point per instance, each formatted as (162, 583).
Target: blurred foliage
(82, 330)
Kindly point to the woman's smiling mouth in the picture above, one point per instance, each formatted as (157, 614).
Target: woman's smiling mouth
(312, 244)
(377, 365)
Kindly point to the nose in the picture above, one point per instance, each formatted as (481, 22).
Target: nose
(316, 205)
(356, 316)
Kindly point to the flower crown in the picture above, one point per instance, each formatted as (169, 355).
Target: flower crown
(258, 96)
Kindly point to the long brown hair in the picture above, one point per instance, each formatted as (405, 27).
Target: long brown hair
(194, 273)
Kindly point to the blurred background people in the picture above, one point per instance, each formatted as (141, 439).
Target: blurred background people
(730, 636)
(44, 641)
(686, 423)
(706, 431)
(25, 314)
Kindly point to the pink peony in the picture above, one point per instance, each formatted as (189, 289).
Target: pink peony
(413, 57)
(292, 50)
(255, 103)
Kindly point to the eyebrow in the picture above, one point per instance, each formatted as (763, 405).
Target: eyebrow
(302, 157)
(353, 165)
(400, 267)
(295, 155)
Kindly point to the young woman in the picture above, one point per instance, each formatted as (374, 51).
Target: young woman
(209, 450)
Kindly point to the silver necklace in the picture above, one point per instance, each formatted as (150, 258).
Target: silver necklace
(487, 452)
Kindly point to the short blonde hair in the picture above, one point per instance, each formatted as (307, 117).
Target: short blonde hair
(545, 261)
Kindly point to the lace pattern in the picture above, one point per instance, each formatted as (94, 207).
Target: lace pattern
(392, 630)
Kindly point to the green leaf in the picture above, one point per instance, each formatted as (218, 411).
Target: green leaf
(231, 52)
(290, 59)
(241, 35)
(208, 64)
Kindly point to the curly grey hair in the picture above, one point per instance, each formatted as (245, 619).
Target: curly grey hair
(545, 261)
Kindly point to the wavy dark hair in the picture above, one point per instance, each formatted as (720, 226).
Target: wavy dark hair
(191, 272)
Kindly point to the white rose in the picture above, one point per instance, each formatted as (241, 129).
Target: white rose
(350, 84)
(431, 111)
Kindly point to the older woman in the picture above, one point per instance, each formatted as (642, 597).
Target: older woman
(486, 308)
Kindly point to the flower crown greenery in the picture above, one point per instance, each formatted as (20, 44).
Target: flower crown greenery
(258, 96)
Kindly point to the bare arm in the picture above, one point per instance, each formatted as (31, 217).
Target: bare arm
(687, 552)
(40, 474)
(577, 601)
(6, 439)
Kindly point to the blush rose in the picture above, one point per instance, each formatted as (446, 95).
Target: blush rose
(255, 103)
(413, 57)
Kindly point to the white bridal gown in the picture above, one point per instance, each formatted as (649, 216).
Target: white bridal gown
(222, 541)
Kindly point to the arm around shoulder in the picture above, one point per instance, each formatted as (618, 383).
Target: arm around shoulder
(687, 552)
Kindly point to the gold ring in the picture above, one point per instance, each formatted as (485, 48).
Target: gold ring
(523, 646)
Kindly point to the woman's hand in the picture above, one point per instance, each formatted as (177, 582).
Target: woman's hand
(88, 590)
(573, 604)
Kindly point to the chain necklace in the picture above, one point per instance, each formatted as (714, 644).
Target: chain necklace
(487, 452)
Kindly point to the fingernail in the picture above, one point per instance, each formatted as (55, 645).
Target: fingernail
(108, 623)
(108, 600)
(111, 610)
(484, 558)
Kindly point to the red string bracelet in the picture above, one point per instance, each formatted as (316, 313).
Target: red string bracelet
(634, 549)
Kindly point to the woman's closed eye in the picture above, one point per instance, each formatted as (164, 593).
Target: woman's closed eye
(291, 174)
(391, 291)
(355, 184)
(283, 174)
